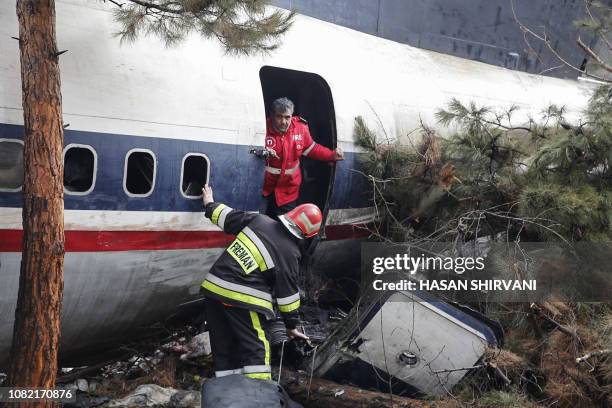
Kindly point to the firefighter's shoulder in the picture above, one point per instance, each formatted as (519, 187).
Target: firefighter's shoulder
(301, 119)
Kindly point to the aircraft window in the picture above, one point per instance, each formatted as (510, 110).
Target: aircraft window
(140, 170)
(194, 174)
(11, 164)
(80, 166)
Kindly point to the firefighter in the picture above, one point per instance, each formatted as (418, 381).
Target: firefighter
(287, 139)
(258, 268)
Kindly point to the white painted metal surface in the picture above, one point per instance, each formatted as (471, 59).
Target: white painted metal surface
(193, 89)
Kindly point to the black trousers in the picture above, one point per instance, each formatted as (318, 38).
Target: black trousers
(270, 208)
(239, 340)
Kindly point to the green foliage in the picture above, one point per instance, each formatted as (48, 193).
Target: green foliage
(578, 213)
(241, 26)
(545, 178)
(504, 399)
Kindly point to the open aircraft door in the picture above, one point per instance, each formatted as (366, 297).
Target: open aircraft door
(313, 101)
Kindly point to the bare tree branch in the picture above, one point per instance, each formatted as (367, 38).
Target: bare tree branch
(546, 40)
(593, 55)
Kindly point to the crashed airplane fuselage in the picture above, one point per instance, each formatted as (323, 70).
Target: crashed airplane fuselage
(149, 125)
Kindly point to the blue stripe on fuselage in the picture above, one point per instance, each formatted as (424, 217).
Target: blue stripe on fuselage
(236, 175)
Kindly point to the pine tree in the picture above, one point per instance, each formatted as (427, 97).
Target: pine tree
(37, 316)
(545, 178)
(241, 26)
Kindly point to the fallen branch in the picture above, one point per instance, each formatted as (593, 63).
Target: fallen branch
(499, 373)
(592, 354)
(538, 310)
(324, 393)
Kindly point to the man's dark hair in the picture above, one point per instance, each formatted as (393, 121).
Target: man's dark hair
(282, 105)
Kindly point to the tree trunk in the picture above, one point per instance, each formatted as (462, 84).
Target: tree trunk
(37, 317)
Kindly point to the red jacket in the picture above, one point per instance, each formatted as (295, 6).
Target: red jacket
(283, 176)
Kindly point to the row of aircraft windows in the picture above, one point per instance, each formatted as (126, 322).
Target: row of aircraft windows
(81, 167)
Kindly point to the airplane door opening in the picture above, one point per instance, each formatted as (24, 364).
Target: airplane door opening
(313, 101)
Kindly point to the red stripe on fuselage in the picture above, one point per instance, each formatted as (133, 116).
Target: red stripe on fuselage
(100, 241)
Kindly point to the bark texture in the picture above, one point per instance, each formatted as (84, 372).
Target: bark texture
(37, 316)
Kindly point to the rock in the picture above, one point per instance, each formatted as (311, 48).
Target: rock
(197, 347)
(146, 395)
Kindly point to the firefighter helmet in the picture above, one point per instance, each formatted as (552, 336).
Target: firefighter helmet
(304, 221)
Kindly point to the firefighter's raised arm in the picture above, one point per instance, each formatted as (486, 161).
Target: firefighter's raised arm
(226, 218)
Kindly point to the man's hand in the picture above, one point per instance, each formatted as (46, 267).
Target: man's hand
(207, 195)
(338, 154)
(272, 152)
(295, 333)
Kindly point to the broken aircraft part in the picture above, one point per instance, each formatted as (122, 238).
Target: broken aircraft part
(404, 342)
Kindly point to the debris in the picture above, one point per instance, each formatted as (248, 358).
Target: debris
(407, 343)
(149, 395)
(82, 385)
(324, 393)
(198, 346)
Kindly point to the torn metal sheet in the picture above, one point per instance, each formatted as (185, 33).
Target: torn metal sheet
(406, 342)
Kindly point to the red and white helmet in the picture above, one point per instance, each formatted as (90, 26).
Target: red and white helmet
(304, 221)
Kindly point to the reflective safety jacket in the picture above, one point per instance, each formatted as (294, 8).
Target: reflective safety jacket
(283, 176)
(261, 264)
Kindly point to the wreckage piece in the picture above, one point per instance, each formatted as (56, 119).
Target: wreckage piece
(408, 343)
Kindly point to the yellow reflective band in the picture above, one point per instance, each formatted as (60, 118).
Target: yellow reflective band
(261, 335)
(290, 307)
(241, 253)
(254, 250)
(215, 215)
(260, 376)
(241, 297)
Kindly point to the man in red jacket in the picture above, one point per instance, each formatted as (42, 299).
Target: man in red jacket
(287, 139)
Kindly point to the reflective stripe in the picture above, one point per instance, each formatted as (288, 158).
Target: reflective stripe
(253, 249)
(273, 170)
(228, 372)
(305, 152)
(276, 170)
(261, 335)
(238, 288)
(293, 169)
(289, 299)
(224, 214)
(260, 376)
(262, 248)
(217, 212)
(238, 296)
(257, 369)
(290, 307)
